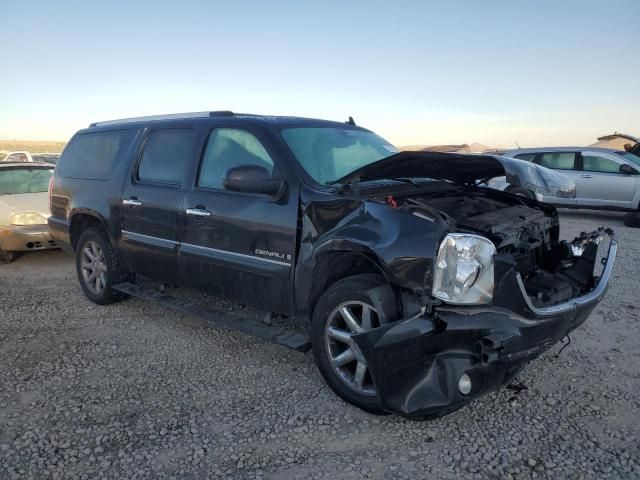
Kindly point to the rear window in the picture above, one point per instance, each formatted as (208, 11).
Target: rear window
(93, 155)
(24, 180)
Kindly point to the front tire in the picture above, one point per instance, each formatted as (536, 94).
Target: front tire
(99, 267)
(7, 256)
(344, 309)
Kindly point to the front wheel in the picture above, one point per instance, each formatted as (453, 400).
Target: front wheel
(342, 311)
(7, 256)
(99, 267)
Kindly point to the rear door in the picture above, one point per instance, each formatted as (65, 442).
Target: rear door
(240, 245)
(565, 163)
(601, 184)
(152, 203)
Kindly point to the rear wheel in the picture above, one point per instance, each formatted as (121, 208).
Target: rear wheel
(7, 257)
(632, 220)
(99, 267)
(342, 311)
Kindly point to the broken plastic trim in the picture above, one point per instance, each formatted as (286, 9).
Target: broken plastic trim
(574, 303)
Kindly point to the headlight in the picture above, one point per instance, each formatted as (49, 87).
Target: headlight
(27, 219)
(464, 269)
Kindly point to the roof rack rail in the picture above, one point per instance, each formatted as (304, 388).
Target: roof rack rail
(170, 116)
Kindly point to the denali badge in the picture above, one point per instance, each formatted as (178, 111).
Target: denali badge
(281, 256)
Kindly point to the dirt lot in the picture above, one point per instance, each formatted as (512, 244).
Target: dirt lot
(137, 391)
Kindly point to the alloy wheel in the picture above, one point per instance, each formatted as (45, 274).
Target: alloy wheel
(345, 357)
(94, 267)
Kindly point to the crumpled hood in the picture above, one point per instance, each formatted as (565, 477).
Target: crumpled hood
(455, 167)
(23, 203)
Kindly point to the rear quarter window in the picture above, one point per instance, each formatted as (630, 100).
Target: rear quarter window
(93, 155)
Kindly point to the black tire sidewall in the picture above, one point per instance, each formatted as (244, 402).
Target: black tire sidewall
(7, 256)
(98, 236)
(349, 289)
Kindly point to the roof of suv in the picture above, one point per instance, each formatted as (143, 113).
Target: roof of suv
(283, 121)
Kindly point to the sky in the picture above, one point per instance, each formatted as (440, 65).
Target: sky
(416, 72)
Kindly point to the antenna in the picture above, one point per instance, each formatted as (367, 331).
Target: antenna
(517, 144)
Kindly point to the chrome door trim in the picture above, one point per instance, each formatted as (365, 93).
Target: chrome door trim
(208, 251)
(148, 240)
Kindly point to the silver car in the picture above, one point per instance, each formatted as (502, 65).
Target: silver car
(605, 178)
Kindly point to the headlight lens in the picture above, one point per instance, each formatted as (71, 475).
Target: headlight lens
(464, 269)
(27, 219)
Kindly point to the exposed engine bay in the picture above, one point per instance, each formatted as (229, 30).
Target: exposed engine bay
(553, 271)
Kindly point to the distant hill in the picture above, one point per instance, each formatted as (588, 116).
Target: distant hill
(459, 148)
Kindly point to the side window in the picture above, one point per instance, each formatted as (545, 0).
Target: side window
(596, 163)
(93, 155)
(526, 156)
(165, 155)
(228, 148)
(559, 160)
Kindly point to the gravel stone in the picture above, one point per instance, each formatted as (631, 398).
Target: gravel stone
(134, 390)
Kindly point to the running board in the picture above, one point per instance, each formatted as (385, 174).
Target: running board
(295, 340)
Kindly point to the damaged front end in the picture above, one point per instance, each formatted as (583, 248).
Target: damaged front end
(446, 355)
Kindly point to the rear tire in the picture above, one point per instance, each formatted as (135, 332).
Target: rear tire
(632, 220)
(7, 256)
(329, 336)
(99, 267)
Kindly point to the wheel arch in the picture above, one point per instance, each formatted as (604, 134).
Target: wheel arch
(334, 265)
(80, 220)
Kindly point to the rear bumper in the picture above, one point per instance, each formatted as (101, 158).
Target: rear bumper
(417, 363)
(26, 238)
(59, 230)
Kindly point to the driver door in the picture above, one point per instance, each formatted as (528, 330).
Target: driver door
(239, 245)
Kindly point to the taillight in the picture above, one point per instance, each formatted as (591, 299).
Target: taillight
(50, 192)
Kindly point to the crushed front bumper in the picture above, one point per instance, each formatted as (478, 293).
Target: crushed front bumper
(26, 238)
(417, 363)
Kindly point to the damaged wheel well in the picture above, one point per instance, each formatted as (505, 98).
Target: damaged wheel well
(333, 266)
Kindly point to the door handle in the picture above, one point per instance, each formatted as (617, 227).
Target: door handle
(132, 202)
(586, 176)
(198, 212)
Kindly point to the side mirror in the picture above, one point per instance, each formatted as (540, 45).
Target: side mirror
(628, 169)
(253, 179)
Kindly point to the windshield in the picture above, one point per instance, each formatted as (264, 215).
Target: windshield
(632, 157)
(24, 180)
(328, 154)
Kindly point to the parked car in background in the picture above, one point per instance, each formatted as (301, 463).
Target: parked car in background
(18, 157)
(533, 181)
(24, 208)
(51, 158)
(605, 179)
(420, 289)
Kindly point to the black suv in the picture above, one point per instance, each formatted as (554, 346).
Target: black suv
(421, 289)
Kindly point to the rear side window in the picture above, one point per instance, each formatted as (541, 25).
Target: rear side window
(228, 148)
(93, 155)
(596, 163)
(526, 156)
(165, 155)
(559, 160)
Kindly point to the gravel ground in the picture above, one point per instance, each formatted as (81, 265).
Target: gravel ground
(134, 390)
